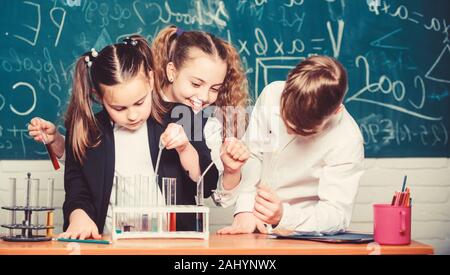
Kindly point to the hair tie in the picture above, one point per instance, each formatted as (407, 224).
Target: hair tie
(129, 41)
(91, 57)
(179, 32)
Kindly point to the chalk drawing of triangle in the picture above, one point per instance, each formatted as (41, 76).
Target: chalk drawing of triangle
(103, 40)
(440, 70)
(384, 41)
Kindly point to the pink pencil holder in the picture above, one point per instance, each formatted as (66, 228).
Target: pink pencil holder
(392, 224)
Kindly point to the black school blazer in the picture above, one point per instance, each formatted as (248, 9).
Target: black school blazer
(88, 186)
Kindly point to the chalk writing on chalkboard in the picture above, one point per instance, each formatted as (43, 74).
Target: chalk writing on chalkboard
(397, 54)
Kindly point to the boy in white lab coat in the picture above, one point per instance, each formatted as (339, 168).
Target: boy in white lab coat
(305, 178)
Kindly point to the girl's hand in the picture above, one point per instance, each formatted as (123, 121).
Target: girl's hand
(174, 137)
(268, 207)
(81, 227)
(234, 154)
(42, 130)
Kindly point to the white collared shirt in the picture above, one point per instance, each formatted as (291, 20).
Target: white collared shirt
(133, 164)
(315, 177)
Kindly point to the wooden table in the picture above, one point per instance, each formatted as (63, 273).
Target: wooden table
(245, 244)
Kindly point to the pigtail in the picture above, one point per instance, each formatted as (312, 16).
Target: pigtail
(163, 47)
(79, 118)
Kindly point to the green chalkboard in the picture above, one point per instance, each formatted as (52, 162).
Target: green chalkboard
(397, 54)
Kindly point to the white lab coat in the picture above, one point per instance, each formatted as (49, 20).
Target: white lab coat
(316, 177)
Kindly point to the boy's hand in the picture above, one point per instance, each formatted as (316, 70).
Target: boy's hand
(174, 137)
(42, 130)
(268, 207)
(243, 223)
(81, 227)
(234, 154)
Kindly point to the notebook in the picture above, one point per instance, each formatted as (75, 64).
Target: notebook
(343, 237)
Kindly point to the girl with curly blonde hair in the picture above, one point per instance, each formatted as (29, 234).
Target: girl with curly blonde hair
(200, 70)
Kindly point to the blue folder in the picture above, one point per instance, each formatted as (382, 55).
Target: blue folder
(343, 237)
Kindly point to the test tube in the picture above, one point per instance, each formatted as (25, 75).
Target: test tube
(145, 222)
(199, 197)
(28, 189)
(117, 203)
(123, 202)
(27, 220)
(144, 201)
(156, 202)
(200, 202)
(136, 202)
(130, 186)
(35, 200)
(13, 188)
(169, 190)
(50, 192)
(36, 196)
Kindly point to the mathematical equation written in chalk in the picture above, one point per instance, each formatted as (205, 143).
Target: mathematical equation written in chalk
(398, 88)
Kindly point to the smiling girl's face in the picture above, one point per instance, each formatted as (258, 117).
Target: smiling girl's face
(197, 83)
